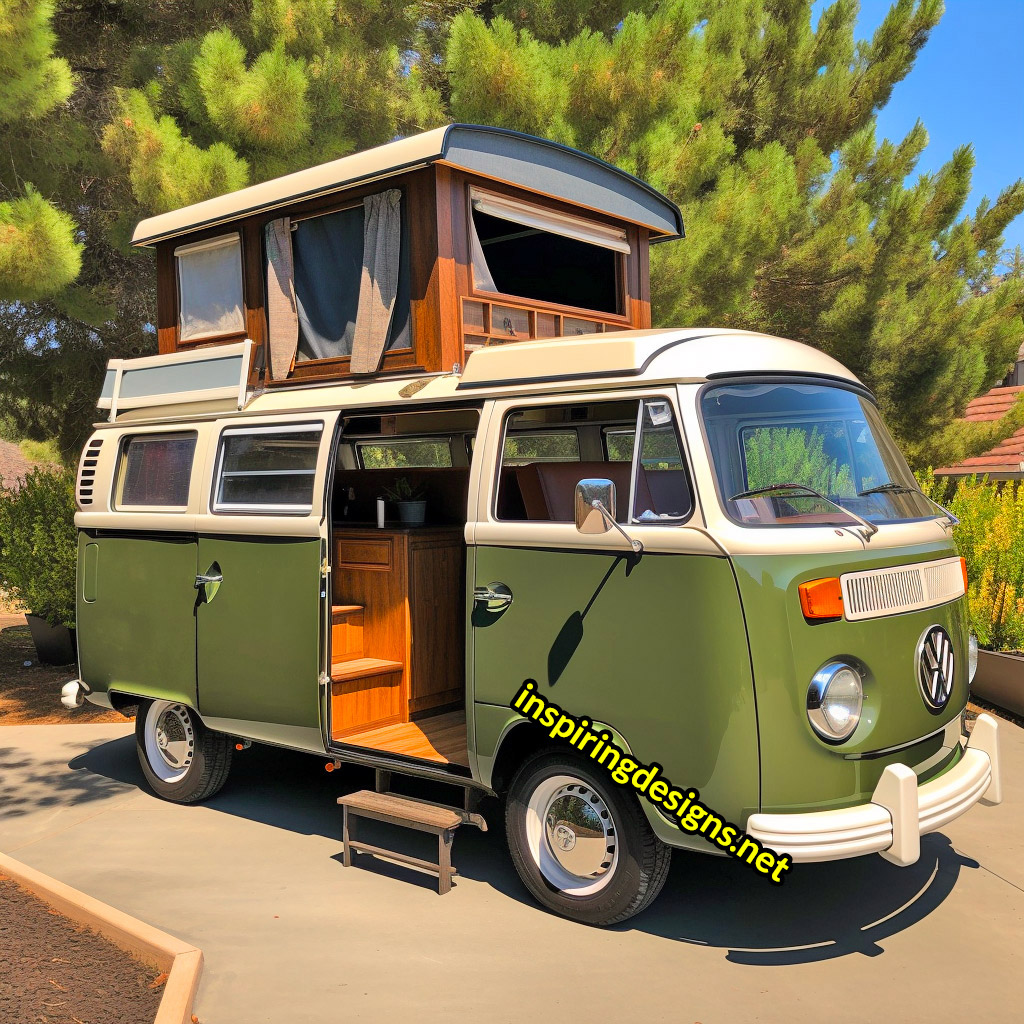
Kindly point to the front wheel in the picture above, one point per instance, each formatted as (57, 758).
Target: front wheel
(182, 760)
(582, 845)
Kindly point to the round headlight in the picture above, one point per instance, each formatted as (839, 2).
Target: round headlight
(972, 657)
(834, 701)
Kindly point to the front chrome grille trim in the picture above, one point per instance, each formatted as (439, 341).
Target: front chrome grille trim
(873, 593)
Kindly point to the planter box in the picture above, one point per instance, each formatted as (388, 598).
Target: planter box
(1000, 679)
(55, 645)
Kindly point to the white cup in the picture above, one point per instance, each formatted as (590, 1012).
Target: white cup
(380, 513)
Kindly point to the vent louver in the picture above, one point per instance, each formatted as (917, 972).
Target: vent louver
(905, 588)
(87, 472)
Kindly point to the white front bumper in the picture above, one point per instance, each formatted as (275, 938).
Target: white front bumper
(899, 813)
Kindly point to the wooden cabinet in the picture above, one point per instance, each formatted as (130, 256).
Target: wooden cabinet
(399, 625)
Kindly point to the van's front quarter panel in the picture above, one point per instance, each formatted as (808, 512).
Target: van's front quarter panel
(800, 771)
(656, 650)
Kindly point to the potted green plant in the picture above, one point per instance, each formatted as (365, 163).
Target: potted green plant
(38, 546)
(409, 497)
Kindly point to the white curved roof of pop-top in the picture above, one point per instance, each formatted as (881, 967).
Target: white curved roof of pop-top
(537, 164)
(566, 364)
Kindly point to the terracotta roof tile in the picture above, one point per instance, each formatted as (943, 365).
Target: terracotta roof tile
(1005, 457)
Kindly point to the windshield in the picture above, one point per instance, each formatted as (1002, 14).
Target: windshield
(816, 438)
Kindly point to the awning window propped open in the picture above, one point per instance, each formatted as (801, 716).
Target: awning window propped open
(536, 253)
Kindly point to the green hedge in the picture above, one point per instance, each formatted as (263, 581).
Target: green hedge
(991, 539)
(38, 544)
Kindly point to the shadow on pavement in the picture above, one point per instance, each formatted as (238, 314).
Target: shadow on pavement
(821, 912)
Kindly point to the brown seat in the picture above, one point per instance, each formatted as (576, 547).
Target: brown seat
(549, 488)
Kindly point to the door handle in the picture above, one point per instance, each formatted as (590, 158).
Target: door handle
(495, 597)
(208, 583)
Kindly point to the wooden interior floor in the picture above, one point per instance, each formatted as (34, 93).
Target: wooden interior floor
(438, 738)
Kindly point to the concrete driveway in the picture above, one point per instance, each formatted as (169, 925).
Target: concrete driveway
(254, 878)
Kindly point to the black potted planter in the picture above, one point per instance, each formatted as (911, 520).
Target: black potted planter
(1000, 680)
(55, 645)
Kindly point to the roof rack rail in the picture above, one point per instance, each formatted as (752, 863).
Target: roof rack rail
(175, 378)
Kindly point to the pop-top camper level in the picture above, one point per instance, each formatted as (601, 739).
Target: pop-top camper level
(407, 257)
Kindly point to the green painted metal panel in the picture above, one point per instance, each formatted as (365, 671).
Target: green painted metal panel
(656, 649)
(259, 636)
(798, 770)
(90, 572)
(136, 628)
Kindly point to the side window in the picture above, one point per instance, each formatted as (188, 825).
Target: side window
(412, 453)
(155, 470)
(267, 469)
(210, 288)
(547, 450)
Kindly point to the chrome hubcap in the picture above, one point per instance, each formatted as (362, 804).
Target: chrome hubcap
(571, 835)
(170, 740)
(579, 831)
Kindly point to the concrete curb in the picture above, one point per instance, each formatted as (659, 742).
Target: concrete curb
(182, 962)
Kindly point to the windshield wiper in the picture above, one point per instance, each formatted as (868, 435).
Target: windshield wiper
(805, 491)
(889, 488)
(894, 488)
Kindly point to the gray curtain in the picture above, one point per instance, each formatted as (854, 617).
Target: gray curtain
(282, 316)
(328, 260)
(378, 285)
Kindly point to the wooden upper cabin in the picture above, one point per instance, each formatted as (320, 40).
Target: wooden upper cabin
(407, 257)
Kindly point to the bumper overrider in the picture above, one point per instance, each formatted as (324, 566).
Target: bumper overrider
(900, 811)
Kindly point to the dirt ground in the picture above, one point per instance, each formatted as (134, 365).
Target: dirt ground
(30, 694)
(53, 972)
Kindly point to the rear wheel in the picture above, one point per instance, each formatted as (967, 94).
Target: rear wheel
(182, 760)
(582, 845)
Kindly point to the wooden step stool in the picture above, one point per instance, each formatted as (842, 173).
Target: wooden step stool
(421, 815)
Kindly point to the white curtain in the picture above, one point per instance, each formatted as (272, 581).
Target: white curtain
(210, 287)
(282, 316)
(378, 286)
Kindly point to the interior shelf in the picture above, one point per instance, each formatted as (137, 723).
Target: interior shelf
(362, 668)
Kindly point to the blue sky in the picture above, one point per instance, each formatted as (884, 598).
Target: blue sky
(966, 87)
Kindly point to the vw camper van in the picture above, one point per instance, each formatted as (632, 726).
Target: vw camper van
(704, 541)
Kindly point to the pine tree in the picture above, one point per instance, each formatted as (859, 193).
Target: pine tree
(757, 122)
(38, 251)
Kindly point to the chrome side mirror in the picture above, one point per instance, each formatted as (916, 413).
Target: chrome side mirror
(595, 510)
(590, 496)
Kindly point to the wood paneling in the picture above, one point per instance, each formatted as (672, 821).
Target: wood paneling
(410, 584)
(365, 699)
(436, 207)
(166, 298)
(440, 738)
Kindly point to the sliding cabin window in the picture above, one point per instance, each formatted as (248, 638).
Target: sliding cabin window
(328, 255)
(411, 453)
(267, 469)
(210, 288)
(530, 252)
(154, 471)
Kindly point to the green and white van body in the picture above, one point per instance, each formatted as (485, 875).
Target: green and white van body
(695, 654)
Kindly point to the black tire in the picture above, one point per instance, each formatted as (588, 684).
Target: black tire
(639, 861)
(197, 775)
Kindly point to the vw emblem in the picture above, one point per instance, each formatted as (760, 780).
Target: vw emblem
(565, 838)
(935, 667)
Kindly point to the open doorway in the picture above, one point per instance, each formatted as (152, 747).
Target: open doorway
(398, 587)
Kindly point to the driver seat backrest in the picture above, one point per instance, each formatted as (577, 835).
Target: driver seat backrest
(549, 488)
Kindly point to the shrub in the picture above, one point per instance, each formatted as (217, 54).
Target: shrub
(38, 544)
(991, 539)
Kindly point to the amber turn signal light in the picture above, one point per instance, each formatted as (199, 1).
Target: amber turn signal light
(822, 599)
(963, 569)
